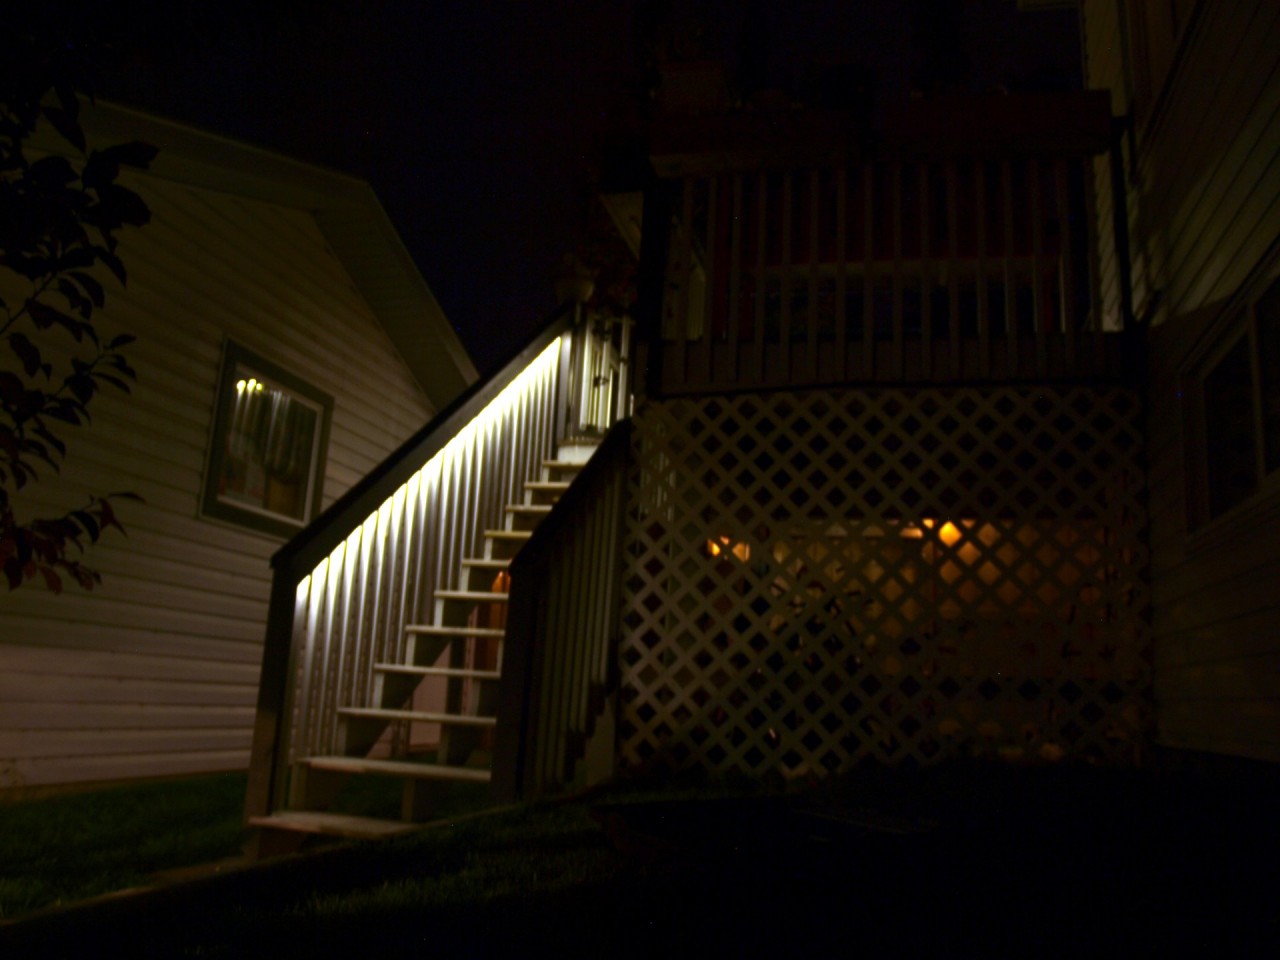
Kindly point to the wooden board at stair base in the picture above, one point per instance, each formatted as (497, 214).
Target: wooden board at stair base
(333, 824)
(399, 768)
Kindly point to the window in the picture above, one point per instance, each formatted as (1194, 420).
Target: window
(265, 467)
(1237, 416)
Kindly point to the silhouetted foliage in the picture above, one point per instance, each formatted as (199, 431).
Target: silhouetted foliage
(58, 224)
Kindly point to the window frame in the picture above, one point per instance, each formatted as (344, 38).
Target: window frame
(235, 359)
(1240, 326)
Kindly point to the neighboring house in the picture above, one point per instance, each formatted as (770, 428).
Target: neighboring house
(1196, 86)
(286, 344)
(905, 389)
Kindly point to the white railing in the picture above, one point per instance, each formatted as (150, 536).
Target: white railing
(352, 609)
(890, 271)
(345, 589)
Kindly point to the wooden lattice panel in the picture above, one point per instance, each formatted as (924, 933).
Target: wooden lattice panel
(813, 579)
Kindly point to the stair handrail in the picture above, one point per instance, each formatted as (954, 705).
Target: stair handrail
(294, 561)
(530, 725)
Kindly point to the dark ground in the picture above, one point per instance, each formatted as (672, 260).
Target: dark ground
(985, 861)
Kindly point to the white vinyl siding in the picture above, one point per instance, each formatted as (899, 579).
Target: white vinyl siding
(1204, 208)
(155, 671)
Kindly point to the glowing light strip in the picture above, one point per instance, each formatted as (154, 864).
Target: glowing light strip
(495, 409)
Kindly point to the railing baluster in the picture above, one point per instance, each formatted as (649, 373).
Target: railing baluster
(926, 277)
(761, 284)
(784, 334)
(1010, 288)
(735, 281)
(984, 321)
(811, 340)
(842, 272)
(1039, 325)
(897, 362)
(953, 263)
(1066, 263)
(712, 307)
(868, 272)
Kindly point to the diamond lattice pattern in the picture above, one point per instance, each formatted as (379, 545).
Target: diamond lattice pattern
(815, 579)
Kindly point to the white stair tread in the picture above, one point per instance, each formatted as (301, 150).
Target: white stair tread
(437, 671)
(530, 509)
(399, 768)
(487, 563)
(334, 824)
(564, 464)
(476, 596)
(432, 630)
(547, 486)
(419, 716)
(508, 534)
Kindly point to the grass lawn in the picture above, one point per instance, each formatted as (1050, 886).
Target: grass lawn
(951, 862)
(66, 848)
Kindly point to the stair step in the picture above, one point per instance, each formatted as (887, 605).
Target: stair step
(418, 716)
(334, 824)
(462, 672)
(475, 596)
(564, 465)
(529, 509)
(546, 486)
(508, 534)
(399, 768)
(432, 630)
(485, 563)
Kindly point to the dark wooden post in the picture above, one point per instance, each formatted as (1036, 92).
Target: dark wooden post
(659, 202)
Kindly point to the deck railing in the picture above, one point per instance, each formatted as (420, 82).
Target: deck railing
(345, 589)
(555, 727)
(958, 269)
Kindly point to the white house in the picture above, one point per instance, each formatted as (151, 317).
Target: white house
(286, 344)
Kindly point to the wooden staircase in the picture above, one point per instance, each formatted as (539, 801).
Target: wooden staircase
(448, 678)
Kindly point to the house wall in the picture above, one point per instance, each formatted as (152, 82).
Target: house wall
(1203, 159)
(1204, 207)
(155, 671)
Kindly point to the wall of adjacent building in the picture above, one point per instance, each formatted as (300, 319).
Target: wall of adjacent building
(1201, 83)
(155, 671)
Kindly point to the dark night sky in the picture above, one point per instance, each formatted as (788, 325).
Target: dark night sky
(479, 123)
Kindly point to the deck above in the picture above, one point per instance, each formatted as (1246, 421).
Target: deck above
(722, 366)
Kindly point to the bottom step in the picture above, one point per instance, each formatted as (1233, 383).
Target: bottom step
(399, 768)
(334, 824)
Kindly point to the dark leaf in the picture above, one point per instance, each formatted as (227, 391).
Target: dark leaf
(51, 580)
(75, 299)
(82, 385)
(11, 389)
(78, 258)
(120, 340)
(65, 123)
(90, 525)
(50, 439)
(34, 448)
(100, 171)
(65, 413)
(26, 352)
(135, 153)
(92, 288)
(52, 172)
(13, 572)
(113, 263)
(114, 381)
